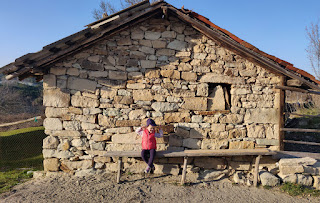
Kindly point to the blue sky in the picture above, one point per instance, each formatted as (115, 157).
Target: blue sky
(274, 26)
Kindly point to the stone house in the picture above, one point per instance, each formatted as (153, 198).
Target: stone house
(207, 88)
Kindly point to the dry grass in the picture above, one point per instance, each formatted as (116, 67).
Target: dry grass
(8, 118)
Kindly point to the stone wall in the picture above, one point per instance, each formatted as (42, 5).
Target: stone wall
(204, 95)
(303, 171)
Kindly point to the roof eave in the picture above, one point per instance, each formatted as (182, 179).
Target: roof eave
(239, 48)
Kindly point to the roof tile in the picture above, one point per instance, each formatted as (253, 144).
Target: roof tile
(283, 63)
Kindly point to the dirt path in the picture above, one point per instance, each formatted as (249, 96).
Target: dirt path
(136, 188)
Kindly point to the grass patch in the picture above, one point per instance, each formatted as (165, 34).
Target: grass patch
(20, 151)
(21, 131)
(35, 163)
(299, 190)
(21, 145)
(8, 179)
(308, 111)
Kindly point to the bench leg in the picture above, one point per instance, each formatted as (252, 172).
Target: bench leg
(184, 171)
(119, 169)
(256, 171)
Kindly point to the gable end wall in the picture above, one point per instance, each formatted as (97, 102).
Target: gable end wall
(159, 69)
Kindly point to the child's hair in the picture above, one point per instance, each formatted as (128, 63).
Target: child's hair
(151, 122)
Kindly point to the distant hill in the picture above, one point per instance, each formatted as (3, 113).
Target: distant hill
(20, 97)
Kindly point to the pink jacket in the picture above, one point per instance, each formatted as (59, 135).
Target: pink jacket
(148, 139)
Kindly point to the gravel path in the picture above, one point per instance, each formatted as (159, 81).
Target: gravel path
(137, 188)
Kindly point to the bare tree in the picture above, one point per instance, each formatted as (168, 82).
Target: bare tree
(313, 49)
(127, 3)
(107, 8)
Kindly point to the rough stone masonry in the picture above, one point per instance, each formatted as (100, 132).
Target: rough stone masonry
(204, 95)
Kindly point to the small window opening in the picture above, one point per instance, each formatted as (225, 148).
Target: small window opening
(219, 96)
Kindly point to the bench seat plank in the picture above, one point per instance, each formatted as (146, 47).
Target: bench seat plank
(138, 154)
(194, 153)
(229, 152)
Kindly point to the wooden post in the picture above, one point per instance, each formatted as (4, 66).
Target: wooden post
(256, 171)
(282, 101)
(304, 130)
(184, 171)
(119, 169)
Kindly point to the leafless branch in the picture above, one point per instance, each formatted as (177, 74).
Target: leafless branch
(313, 49)
(105, 9)
(127, 3)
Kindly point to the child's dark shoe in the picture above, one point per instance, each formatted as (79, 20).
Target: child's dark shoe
(152, 169)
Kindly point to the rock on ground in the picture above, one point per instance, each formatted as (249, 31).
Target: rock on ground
(268, 179)
(137, 188)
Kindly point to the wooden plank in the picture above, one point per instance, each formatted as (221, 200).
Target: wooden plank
(304, 115)
(71, 38)
(119, 169)
(18, 72)
(229, 152)
(300, 130)
(95, 26)
(282, 87)
(184, 171)
(19, 122)
(31, 56)
(302, 142)
(114, 27)
(295, 89)
(8, 68)
(238, 48)
(138, 154)
(134, 8)
(256, 171)
(292, 154)
(282, 102)
(25, 75)
(45, 58)
(194, 153)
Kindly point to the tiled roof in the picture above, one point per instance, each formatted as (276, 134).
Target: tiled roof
(283, 63)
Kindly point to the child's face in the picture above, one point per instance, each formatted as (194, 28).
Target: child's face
(151, 128)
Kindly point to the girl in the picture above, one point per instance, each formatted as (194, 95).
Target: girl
(149, 144)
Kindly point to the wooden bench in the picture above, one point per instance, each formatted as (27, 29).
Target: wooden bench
(134, 154)
(258, 153)
(228, 152)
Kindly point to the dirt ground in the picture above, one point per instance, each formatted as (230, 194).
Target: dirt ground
(138, 188)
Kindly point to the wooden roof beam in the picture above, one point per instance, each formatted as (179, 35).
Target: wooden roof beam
(9, 68)
(297, 89)
(87, 42)
(19, 72)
